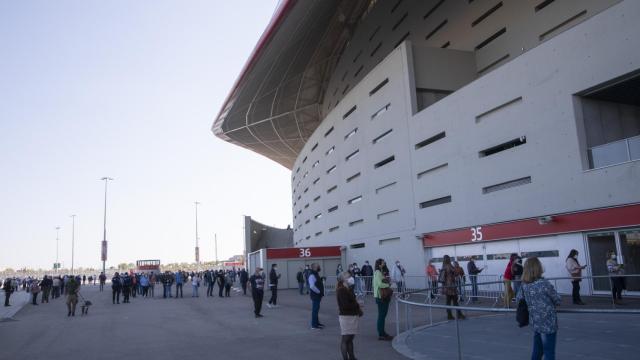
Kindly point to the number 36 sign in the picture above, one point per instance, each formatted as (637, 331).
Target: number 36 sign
(305, 252)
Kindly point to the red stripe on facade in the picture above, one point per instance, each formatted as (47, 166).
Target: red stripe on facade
(304, 253)
(590, 220)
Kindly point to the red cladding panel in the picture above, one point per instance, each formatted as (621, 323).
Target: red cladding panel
(564, 223)
(304, 253)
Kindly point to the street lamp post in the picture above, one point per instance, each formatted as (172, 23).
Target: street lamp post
(73, 239)
(197, 238)
(103, 255)
(56, 266)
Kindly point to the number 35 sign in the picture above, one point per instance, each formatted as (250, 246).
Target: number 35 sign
(476, 233)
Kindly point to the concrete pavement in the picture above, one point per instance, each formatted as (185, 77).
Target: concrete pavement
(187, 328)
(17, 300)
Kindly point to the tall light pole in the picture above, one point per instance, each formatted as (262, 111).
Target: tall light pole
(56, 266)
(73, 238)
(197, 238)
(103, 255)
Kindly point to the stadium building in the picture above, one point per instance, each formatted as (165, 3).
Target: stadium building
(419, 128)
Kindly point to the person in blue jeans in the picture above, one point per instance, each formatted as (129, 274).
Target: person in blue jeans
(316, 292)
(542, 299)
(179, 281)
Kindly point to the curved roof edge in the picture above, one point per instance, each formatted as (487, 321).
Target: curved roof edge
(278, 17)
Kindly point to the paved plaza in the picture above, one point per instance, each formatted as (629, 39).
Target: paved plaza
(188, 328)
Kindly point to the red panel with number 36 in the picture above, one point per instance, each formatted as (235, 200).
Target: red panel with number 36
(303, 253)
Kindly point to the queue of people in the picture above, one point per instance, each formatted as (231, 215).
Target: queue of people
(46, 288)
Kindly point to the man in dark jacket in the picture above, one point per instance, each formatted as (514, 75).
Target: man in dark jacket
(473, 271)
(257, 291)
(126, 287)
(221, 282)
(116, 288)
(300, 280)
(8, 289)
(273, 285)
(367, 273)
(244, 277)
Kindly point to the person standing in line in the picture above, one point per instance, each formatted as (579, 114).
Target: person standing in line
(349, 314)
(195, 284)
(516, 271)
(35, 289)
(397, 276)
(135, 284)
(506, 279)
(460, 279)
(575, 271)
(244, 278)
(381, 281)
(450, 287)
(116, 288)
(126, 287)
(273, 286)
(257, 291)
(84, 279)
(300, 280)
(432, 277)
(542, 299)
(144, 284)
(55, 287)
(617, 282)
(221, 281)
(153, 279)
(209, 282)
(473, 271)
(228, 282)
(367, 273)
(103, 280)
(355, 271)
(45, 286)
(306, 273)
(179, 281)
(316, 292)
(8, 290)
(73, 287)
(339, 270)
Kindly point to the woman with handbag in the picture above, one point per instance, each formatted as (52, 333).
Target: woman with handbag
(382, 293)
(349, 314)
(541, 299)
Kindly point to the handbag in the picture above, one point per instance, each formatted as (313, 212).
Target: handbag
(385, 294)
(522, 313)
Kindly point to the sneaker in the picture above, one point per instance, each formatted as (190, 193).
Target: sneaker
(269, 306)
(316, 328)
(276, 306)
(259, 316)
(321, 326)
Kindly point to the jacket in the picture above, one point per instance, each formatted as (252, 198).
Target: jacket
(347, 303)
(541, 298)
(378, 283)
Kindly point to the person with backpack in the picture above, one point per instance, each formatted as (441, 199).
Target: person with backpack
(116, 288)
(541, 299)
(73, 287)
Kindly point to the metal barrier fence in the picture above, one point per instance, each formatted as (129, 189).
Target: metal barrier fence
(416, 307)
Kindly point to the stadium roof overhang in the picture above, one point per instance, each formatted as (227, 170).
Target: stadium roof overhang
(274, 106)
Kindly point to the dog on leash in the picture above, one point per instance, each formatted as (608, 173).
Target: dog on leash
(85, 307)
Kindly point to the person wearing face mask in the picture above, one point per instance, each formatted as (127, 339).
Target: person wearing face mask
(316, 292)
(616, 281)
(349, 314)
(273, 286)
(575, 271)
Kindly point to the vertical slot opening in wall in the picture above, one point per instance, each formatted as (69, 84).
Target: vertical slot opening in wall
(567, 22)
(354, 200)
(433, 9)
(349, 112)
(493, 64)
(351, 133)
(421, 174)
(486, 14)
(331, 169)
(488, 40)
(314, 147)
(345, 90)
(357, 56)
(331, 189)
(385, 187)
(332, 229)
(355, 75)
(445, 45)
(331, 149)
(358, 245)
(502, 106)
(333, 208)
(353, 177)
(379, 86)
(354, 223)
(436, 29)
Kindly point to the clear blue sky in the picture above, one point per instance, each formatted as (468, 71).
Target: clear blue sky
(127, 89)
